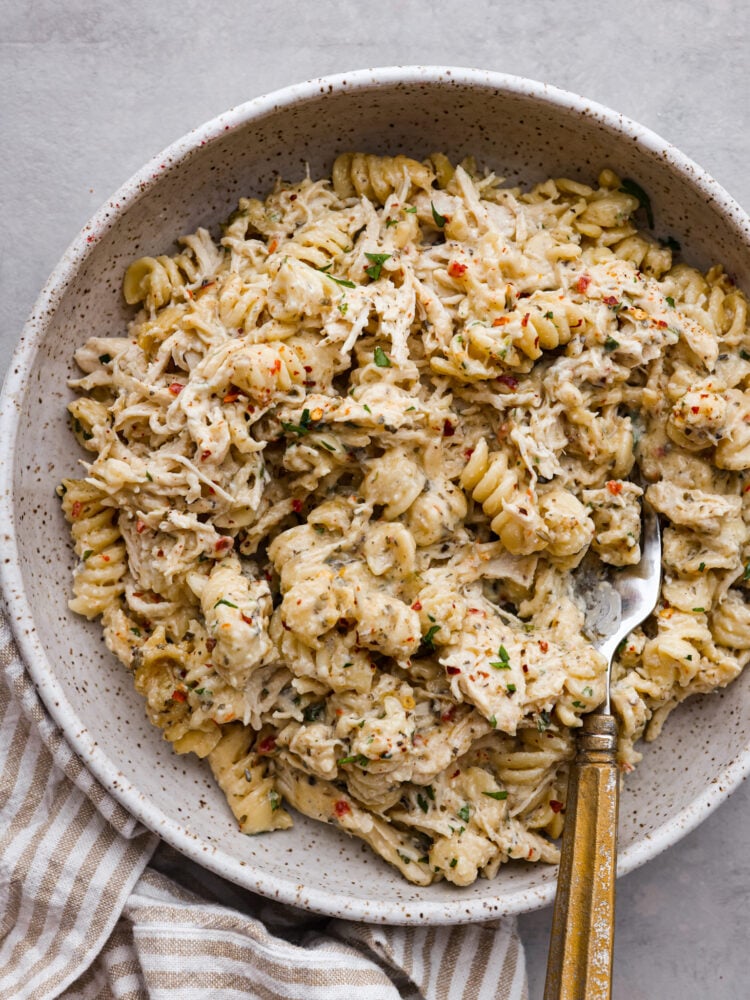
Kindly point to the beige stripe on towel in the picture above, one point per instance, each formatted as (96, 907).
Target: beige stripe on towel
(88, 911)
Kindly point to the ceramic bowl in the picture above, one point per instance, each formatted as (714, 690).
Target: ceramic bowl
(526, 131)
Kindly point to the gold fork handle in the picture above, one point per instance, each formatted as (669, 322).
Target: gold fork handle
(579, 966)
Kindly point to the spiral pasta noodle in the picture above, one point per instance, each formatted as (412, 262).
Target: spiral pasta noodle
(341, 471)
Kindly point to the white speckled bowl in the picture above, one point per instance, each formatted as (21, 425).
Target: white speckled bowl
(525, 131)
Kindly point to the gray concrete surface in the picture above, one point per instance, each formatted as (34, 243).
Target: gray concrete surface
(89, 91)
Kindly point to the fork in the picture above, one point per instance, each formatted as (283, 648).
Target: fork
(579, 965)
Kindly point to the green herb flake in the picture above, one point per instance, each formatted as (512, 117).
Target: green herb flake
(223, 600)
(578, 704)
(275, 799)
(378, 259)
(313, 712)
(510, 688)
(543, 721)
(390, 222)
(381, 358)
(422, 803)
(500, 664)
(440, 220)
(86, 554)
(549, 315)
(610, 344)
(347, 760)
(492, 721)
(430, 792)
(326, 445)
(699, 611)
(744, 355)
(503, 654)
(464, 812)
(149, 477)
(105, 358)
(428, 639)
(366, 408)
(588, 691)
(207, 691)
(629, 186)
(500, 796)
(701, 567)
(670, 301)
(343, 307)
(136, 631)
(411, 210)
(454, 862)
(746, 574)
(300, 429)
(404, 857)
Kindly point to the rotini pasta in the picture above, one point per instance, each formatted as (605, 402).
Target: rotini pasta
(342, 466)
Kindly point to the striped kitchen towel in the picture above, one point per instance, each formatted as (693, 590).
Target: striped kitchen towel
(93, 907)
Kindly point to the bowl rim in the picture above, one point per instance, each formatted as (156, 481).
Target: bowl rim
(95, 758)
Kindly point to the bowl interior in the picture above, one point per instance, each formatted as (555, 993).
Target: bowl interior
(525, 133)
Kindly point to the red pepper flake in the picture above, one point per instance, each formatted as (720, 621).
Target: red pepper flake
(448, 429)
(75, 510)
(210, 645)
(525, 668)
(662, 324)
(468, 452)
(246, 620)
(231, 397)
(308, 368)
(530, 855)
(583, 283)
(176, 388)
(525, 320)
(178, 695)
(455, 270)
(205, 455)
(695, 409)
(275, 367)
(500, 321)
(224, 543)
(342, 808)
(296, 506)
(273, 245)
(611, 300)
(508, 380)
(615, 487)
(140, 526)
(452, 671)
(448, 716)
(555, 806)
(160, 552)
(455, 774)
(267, 745)
(417, 606)
(543, 645)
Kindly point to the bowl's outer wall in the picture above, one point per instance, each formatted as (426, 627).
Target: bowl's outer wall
(521, 138)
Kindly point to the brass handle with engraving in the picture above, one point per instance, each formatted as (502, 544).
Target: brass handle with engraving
(579, 966)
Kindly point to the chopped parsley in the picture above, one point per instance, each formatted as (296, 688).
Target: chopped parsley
(610, 344)
(136, 632)
(440, 220)
(454, 862)
(578, 704)
(699, 611)
(631, 187)
(422, 803)
(492, 721)
(275, 799)
(464, 812)
(510, 688)
(500, 796)
(588, 691)
(105, 358)
(357, 758)
(378, 259)
(343, 307)
(149, 477)
(504, 662)
(313, 712)
(300, 429)
(390, 222)
(412, 209)
(701, 567)
(339, 281)
(744, 355)
(223, 600)
(670, 301)
(428, 639)
(746, 574)
(366, 408)
(86, 554)
(381, 358)
(549, 315)
(543, 721)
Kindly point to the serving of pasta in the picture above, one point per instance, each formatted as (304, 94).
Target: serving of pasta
(345, 463)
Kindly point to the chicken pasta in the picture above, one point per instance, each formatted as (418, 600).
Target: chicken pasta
(345, 462)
